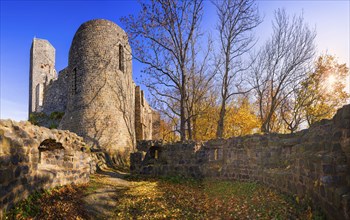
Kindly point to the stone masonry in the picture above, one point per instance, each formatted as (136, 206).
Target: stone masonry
(143, 120)
(41, 72)
(95, 91)
(101, 95)
(312, 164)
(55, 94)
(34, 158)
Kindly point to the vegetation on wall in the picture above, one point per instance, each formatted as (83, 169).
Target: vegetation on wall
(50, 121)
(35, 117)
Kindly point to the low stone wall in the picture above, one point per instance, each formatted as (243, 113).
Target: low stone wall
(33, 158)
(312, 164)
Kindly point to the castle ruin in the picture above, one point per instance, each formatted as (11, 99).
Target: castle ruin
(96, 92)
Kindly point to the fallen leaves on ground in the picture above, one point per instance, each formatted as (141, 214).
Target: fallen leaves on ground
(208, 199)
(171, 198)
(58, 203)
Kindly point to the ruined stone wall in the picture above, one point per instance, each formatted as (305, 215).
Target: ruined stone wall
(101, 94)
(147, 121)
(42, 71)
(138, 124)
(143, 116)
(33, 158)
(55, 94)
(313, 163)
(156, 135)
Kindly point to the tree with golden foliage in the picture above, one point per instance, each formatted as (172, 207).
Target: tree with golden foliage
(206, 124)
(167, 130)
(324, 89)
(318, 96)
(241, 119)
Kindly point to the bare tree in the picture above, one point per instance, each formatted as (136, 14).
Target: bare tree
(161, 38)
(237, 19)
(200, 82)
(292, 109)
(281, 64)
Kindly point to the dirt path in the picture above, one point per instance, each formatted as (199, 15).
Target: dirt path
(102, 195)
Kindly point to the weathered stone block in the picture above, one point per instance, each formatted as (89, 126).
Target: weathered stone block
(342, 168)
(6, 175)
(18, 171)
(345, 200)
(328, 169)
(322, 191)
(5, 161)
(15, 159)
(24, 180)
(327, 180)
(342, 191)
(3, 191)
(337, 136)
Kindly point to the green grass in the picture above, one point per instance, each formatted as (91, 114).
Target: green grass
(226, 189)
(27, 208)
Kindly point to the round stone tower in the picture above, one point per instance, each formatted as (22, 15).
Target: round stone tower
(101, 97)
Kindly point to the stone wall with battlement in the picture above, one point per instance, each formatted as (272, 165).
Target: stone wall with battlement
(34, 158)
(312, 164)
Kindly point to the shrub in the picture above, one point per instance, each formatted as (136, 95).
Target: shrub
(56, 115)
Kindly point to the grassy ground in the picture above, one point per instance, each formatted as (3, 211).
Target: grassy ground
(165, 198)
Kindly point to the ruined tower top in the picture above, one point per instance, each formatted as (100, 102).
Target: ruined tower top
(42, 71)
(99, 38)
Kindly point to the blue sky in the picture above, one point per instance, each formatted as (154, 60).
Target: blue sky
(57, 22)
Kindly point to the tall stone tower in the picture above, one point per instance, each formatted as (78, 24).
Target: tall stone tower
(42, 71)
(101, 91)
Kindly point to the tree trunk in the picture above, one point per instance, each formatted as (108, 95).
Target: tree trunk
(189, 130)
(264, 128)
(183, 104)
(220, 128)
(194, 128)
(182, 117)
